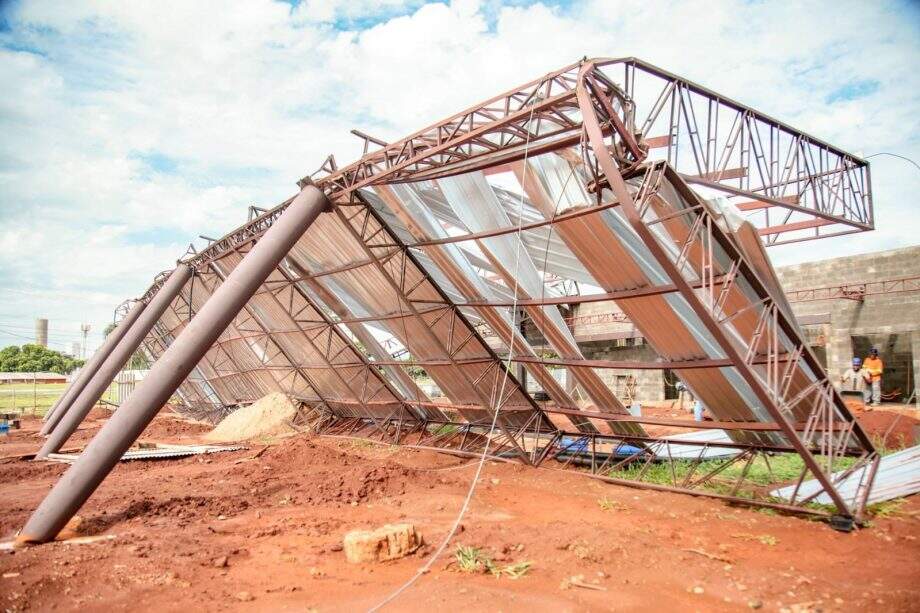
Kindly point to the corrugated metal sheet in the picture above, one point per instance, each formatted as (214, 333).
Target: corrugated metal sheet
(162, 452)
(898, 475)
(702, 451)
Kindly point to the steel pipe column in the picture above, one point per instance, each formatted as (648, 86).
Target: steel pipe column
(95, 388)
(89, 368)
(118, 434)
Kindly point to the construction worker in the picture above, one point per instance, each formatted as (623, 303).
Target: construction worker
(682, 392)
(874, 366)
(857, 379)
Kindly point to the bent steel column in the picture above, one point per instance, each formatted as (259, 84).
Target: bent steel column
(90, 367)
(106, 373)
(105, 450)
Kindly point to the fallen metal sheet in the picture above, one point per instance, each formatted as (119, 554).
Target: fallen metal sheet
(702, 451)
(700, 448)
(898, 476)
(162, 452)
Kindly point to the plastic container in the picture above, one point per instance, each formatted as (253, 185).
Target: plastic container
(697, 411)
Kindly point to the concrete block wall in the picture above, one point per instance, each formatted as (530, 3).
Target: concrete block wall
(590, 323)
(891, 321)
(886, 320)
(649, 383)
(829, 325)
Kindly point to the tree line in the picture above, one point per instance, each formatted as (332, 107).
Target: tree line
(35, 358)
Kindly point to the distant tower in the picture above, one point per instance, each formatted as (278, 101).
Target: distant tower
(84, 328)
(75, 349)
(41, 332)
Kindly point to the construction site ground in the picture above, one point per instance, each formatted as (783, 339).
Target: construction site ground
(262, 528)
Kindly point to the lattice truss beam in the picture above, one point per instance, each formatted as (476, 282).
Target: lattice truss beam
(398, 314)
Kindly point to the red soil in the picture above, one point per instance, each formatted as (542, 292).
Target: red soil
(228, 532)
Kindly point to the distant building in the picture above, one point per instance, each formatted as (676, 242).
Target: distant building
(837, 329)
(41, 332)
(29, 377)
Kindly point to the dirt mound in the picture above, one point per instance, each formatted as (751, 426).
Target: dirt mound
(172, 426)
(99, 412)
(270, 415)
(893, 430)
(271, 523)
(334, 476)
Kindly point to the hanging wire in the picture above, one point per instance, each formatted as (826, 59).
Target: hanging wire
(895, 155)
(495, 409)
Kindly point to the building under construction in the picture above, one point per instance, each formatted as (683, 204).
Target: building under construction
(424, 295)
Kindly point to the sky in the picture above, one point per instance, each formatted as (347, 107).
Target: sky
(129, 128)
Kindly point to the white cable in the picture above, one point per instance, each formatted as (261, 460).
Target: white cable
(495, 409)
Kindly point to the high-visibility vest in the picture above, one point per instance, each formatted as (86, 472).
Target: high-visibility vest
(875, 367)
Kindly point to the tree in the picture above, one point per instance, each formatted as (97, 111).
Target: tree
(35, 358)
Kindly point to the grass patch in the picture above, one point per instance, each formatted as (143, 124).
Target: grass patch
(765, 539)
(471, 559)
(887, 508)
(22, 398)
(475, 560)
(445, 429)
(517, 570)
(608, 505)
(763, 472)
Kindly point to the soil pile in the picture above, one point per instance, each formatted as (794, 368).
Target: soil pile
(269, 416)
(893, 430)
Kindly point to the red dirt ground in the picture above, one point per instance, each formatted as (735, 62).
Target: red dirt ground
(228, 532)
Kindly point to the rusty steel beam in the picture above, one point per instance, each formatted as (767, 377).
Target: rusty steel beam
(856, 291)
(608, 167)
(495, 132)
(89, 369)
(117, 358)
(118, 434)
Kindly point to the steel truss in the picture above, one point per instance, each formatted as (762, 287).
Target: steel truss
(634, 461)
(298, 336)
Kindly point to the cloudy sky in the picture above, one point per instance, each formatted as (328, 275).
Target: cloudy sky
(129, 128)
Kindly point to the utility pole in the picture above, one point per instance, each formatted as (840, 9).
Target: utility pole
(84, 328)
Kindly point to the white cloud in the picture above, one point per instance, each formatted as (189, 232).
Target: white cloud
(240, 99)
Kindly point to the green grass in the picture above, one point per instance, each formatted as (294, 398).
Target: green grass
(608, 505)
(887, 509)
(475, 560)
(471, 559)
(763, 472)
(22, 398)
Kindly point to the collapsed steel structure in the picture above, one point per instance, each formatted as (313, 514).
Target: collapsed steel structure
(423, 257)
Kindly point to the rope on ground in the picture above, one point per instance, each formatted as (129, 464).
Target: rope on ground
(495, 409)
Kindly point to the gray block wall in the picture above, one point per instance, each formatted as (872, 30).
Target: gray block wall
(889, 321)
(836, 329)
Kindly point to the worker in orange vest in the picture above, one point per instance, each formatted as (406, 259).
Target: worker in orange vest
(873, 364)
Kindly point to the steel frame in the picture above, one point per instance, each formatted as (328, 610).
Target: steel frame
(773, 387)
(626, 461)
(814, 186)
(856, 291)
